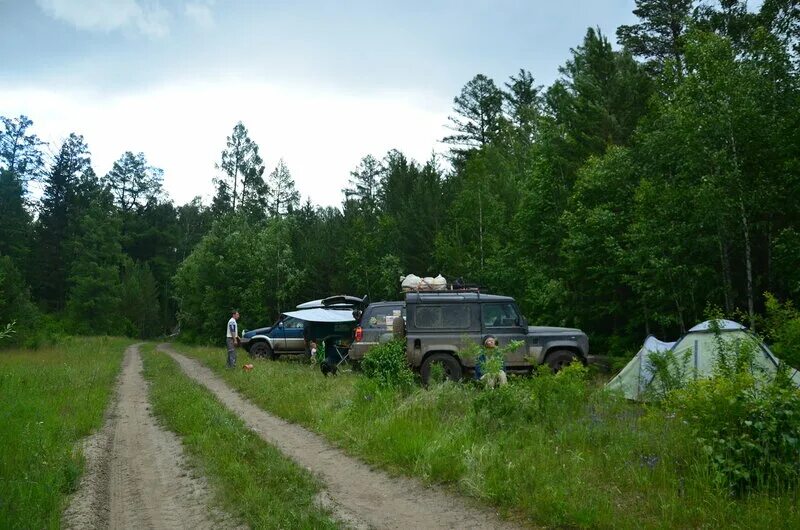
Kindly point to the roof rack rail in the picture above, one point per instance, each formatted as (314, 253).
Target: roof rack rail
(445, 291)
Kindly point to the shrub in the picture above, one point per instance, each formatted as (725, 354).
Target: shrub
(547, 399)
(746, 424)
(748, 430)
(15, 302)
(783, 328)
(8, 331)
(386, 364)
(672, 373)
(489, 361)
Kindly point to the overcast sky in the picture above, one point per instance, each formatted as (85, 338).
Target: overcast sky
(319, 84)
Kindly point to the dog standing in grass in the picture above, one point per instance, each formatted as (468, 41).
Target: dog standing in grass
(232, 338)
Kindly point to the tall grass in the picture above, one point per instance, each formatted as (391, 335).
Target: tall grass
(552, 450)
(251, 479)
(50, 398)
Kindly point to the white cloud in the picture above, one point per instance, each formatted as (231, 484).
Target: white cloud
(182, 129)
(108, 15)
(200, 13)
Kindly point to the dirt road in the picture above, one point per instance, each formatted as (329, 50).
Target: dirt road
(357, 494)
(136, 476)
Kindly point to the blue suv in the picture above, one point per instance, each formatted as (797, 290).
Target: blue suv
(283, 337)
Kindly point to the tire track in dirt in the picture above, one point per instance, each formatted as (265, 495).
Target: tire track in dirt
(357, 494)
(136, 476)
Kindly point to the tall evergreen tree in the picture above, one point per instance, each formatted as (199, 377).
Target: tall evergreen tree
(523, 103)
(93, 303)
(20, 162)
(241, 165)
(15, 221)
(60, 206)
(478, 110)
(20, 152)
(133, 182)
(282, 197)
(660, 34)
(365, 183)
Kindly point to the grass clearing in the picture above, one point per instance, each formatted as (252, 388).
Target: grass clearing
(575, 457)
(51, 398)
(250, 479)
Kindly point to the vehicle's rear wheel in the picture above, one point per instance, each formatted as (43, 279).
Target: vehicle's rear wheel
(262, 349)
(560, 359)
(450, 367)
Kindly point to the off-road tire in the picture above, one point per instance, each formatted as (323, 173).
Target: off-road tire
(560, 359)
(452, 368)
(262, 349)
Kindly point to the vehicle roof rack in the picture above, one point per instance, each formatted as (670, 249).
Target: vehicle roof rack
(449, 290)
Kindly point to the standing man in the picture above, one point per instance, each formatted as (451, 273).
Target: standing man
(232, 338)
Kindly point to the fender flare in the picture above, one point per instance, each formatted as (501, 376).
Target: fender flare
(259, 338)
(563, 345)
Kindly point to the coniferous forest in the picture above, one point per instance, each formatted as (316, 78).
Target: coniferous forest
(650, 182)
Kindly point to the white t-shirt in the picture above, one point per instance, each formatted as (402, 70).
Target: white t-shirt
(232, 330)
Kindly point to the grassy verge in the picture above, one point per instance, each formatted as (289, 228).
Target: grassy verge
(51, 398)
(574, 457)
(251, 479)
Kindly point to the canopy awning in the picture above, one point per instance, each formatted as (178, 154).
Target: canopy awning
(322, 315)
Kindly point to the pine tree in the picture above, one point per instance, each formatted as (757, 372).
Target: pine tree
(15, 221)
(659, 36)
(20, 162)
(241, 165)
(523, 102)
(139, 302)
(133, 182)
(20, 152)
(60, 206)
(478, 111)
(365, 183)
(93, 303)
(282, 197)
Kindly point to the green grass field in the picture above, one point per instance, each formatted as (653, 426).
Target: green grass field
(51, 398)
(251, 479)
(576, 459)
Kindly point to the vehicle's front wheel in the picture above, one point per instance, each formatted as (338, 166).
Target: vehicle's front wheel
(262, 349)
(450, 367)
(560, 359)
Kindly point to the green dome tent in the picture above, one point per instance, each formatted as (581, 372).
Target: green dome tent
(695, 354)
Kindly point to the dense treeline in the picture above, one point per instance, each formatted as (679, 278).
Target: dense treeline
(642, 186)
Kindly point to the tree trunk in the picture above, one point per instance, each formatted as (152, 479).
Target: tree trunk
(480, 225)
(748, 265)
(727, 283)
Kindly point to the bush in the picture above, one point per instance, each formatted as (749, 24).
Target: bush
(748, 430)
(783, 327)
(547, 399)
(386, 364)
(746, 423)
(15, 303)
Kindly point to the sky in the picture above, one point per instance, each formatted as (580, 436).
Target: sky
(320, 84)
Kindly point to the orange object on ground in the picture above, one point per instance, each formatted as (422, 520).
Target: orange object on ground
(247, 367)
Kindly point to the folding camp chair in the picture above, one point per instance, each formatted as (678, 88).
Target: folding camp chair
(342, 352)
(335, 354)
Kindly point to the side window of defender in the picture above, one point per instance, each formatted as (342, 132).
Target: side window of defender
(501, 315)
(445, 316)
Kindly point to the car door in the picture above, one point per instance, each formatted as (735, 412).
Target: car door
(278, 335)
(503, 321)
(293, 334)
